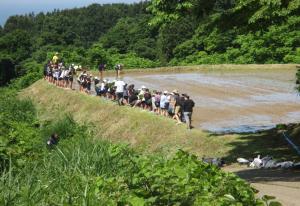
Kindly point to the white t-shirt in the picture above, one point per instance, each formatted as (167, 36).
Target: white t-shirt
(120, 86)
(63, 73)
(102, 86)
(56, 74)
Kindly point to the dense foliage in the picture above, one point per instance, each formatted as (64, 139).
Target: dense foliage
(155, 33)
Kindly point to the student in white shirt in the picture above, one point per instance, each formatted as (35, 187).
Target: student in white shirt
(119, 84)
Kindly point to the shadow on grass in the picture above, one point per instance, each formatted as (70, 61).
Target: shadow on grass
(264, 143)
(269, 175)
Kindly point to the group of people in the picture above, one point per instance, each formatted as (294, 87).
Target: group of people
(168, 104)
(57, 73)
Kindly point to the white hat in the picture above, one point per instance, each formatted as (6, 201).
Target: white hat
(166, 92)
(97, 78)
(143, 87)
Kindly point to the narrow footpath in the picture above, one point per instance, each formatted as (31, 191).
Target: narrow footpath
(283, 184)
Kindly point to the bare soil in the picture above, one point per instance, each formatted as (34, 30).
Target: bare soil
(283, 184)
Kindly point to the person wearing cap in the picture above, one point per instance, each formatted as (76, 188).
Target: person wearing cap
(177, 106)
(119, 84)
(55, 59)
(81, 80)
(141, 99)
(157, 101)
(96, 80)
(125, 94)
(88, 80)
(97, 84)
(104, 88)
(188, 106)
(72, 72)
(147, 103)
(164, 104)
(66, 78)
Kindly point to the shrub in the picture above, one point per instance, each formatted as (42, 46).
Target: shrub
(79, 171)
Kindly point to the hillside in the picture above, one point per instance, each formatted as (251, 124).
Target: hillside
(146, 131)
(154, 33)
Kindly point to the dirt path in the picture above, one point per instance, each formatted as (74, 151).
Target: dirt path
(283, 184)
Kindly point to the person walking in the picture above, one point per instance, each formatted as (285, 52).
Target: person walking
(101, 70)
(177, 107)
(188, 106)
(164, 103)
(118, 69)
(119, 84)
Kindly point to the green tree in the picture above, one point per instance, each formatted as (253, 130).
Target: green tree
(16, 44)
(166, 11)
(96, 55)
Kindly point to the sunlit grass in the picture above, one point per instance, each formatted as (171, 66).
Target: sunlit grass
(145, 131)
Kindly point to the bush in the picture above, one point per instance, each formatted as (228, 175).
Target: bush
(32, 72)
(80, 171)
(18, 133)
(131, 60)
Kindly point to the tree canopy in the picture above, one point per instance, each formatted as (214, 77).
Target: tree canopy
(157, 33)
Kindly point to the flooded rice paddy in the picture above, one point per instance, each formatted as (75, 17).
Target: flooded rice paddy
(232, 100)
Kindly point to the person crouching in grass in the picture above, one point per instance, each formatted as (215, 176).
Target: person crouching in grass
(53, 140)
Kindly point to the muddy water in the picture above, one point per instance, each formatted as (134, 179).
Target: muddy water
(232, 100)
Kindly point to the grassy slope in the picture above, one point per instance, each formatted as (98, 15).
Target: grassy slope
(146, 131)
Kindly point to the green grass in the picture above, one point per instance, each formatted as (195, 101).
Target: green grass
(146, 132)
(82, 171)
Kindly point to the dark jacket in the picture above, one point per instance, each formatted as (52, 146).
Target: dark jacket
(188, 105)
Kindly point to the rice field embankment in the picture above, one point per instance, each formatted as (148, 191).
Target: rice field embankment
(146, 131)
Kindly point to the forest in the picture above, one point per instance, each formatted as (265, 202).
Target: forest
(153, 33)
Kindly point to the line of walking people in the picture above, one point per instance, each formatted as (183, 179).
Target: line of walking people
(168, 104)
